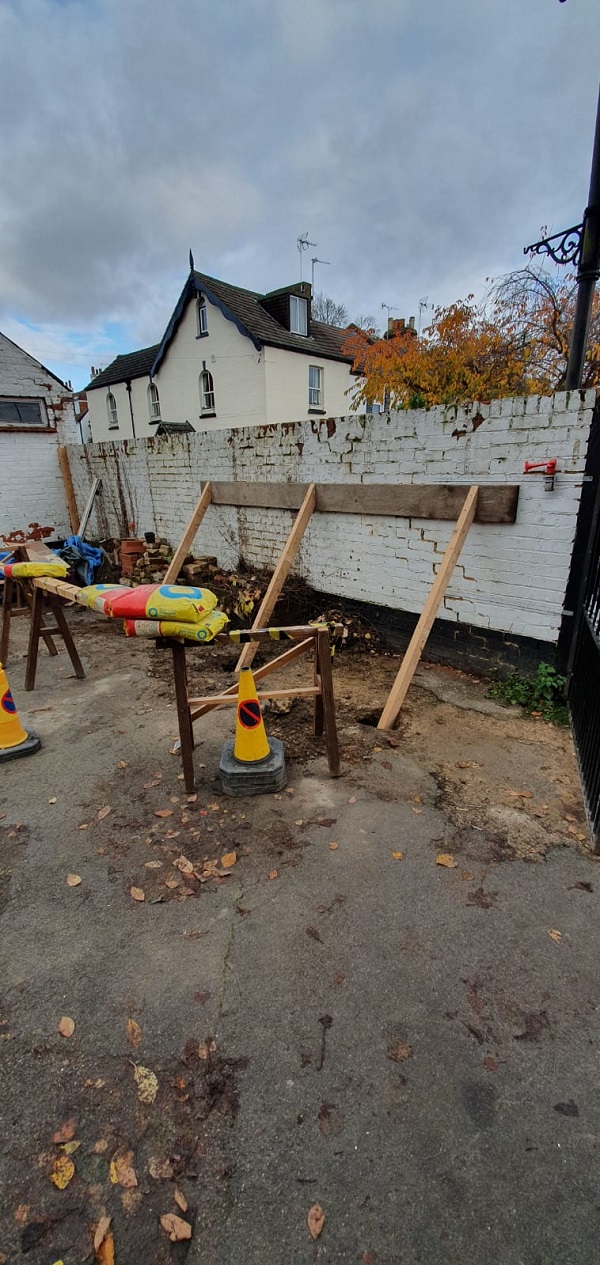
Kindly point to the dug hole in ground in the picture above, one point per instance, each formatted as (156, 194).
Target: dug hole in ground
(287, 1001)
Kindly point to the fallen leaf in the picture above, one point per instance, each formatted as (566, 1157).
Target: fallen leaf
(160, 1170)
(555, 935)
(191, 799)
(121, 1170)
(137, 893)
(244, 913)
(101, 1232)
(66, 1131)
(106, 1252)
(100, 1147)
(152, 865)
(272, 874)
(171, 883)
(352, 799)
(399, 1052)
(22, 1214)
(53, 800)
(69, 1148)
(582, 887)
(134, 1033)
(176, 1228)
(398, 856)
(569, 1108)
(163, 812)
(467, 875)
(146, 1082)
(62, 1171)
(228, 861)
(84, 826)
(122, 764)
(315, 1220)
(184, 866)
(520, 794)
(97, 1084)
(103, 812)
(180, 1199)
(73, 880)
(444, 859)
(490, 1064)
(333, 846)
(131, 1200)
(66, 1026)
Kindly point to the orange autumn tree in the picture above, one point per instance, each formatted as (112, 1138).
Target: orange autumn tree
(514, 343)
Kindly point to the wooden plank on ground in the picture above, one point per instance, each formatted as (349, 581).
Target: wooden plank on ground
(417, 642)
(183, 547)
(65, 470)
(497, 502)
(280, 574)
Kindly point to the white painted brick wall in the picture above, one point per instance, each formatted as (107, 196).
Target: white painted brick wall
(32, 495)
(510, 578)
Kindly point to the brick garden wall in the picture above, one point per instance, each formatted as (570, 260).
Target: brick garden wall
(510, 580)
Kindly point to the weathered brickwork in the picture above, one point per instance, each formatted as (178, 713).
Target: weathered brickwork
(509, 578)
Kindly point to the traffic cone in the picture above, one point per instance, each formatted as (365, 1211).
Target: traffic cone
(252, 764)
(14, 739)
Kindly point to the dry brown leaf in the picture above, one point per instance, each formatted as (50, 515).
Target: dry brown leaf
(176, 1228)
(171, 883)
(53, 800)
(147, 1083)
(85, 825)
(334, 846)
(398, 856)
(555, 935)
(180, 1199)
(205, 1049)
(352, 799)
(152, 865)
(467, 875)
(520, 794)
(101, 1232)
(100, 1147)
(228, 860)
(122, 764)
(66, 1026)
(121, 1170)
(315, 1220)
(73, 880)
(163, 812)
(191, 799)
(137, 893)
(184, 866)
(399, 1052)
(106, 1252)
(273, 874)
(134, 1033)
(22, 1214)
(66, 1131)
(447, 861)
(160, 1170)
(103, 812)
(62, 1171)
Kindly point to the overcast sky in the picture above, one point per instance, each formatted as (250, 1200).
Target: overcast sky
(420, 144)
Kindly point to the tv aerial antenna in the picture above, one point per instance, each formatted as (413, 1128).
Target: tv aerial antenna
(314, 261)
(303, 244)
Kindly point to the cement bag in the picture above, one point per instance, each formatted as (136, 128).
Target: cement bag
(97, 596)
(178, 602)
(30, 570)
(212, 624)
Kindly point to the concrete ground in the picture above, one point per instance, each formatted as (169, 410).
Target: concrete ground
(412, 1047)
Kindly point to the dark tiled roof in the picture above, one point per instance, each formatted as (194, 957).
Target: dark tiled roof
(136, 364)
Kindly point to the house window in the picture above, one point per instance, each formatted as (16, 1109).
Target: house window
(153, 403)
(111, 409)
(22, 413)
(315, 387)
(298, 323)
(207, 392)
(201, 316)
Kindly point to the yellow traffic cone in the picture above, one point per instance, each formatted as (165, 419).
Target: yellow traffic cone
(251, 742)
(14, 739)
(253, 764)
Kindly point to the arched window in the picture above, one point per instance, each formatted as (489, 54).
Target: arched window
(111, 409)
(207, 392)
(201, 316)
(153, 403)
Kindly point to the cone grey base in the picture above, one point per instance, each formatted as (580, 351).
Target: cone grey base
(257, 778)
(31, 743)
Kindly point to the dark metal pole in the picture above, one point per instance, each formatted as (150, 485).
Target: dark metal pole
(587, 272)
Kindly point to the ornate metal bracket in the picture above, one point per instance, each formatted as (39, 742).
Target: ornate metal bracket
(563, 248)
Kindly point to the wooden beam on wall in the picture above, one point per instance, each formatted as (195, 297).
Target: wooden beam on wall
(280, 574)
(183, 547)
(497, 503)
(65, 470)
(400, 687)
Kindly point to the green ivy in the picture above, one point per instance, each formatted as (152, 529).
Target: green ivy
(544, 694)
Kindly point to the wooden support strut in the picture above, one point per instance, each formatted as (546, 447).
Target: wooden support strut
(400, 687)
(183, 547)
(280, 573)
(65, 470)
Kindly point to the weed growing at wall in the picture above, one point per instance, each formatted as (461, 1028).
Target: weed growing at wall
(544, 695)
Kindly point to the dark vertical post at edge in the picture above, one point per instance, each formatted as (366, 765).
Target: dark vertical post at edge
(587, 272)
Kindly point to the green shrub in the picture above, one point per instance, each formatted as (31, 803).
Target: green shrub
(544, 694)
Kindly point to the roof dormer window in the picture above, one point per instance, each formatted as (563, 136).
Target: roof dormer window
(298, 315)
